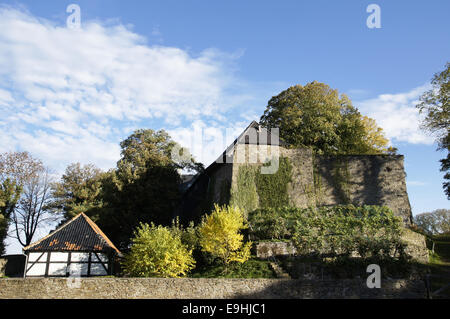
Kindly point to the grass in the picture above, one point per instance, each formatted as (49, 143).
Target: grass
(439, 266)
(252, 268)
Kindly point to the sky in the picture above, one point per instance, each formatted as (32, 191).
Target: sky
(208, 68)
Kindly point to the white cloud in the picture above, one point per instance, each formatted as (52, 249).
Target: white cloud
(398, 116)
(68, 95)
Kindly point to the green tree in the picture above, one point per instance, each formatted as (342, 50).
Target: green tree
(9, 196)
(145, 185)
(316, 116)
(156, 251)
(78, 191)
(435, 222)
(220, 234)
(435, 105)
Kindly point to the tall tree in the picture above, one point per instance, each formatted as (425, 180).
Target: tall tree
(33, 178)
(435, 104)
(316, 116)
(145, 185)
(9, 196)
(78, 191)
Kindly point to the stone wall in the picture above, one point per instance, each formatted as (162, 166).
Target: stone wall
(336, 180)
(363, 180)
(3, 262)
(204, 288)
(416, 247)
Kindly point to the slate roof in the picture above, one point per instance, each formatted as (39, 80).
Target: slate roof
(78, 234)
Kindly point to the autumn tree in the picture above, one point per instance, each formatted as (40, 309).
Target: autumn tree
(34, 180)
(436, 107)
(316, 116)
(157, 251)
(220, 234)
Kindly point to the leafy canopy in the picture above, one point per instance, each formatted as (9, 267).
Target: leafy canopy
(435, 222)
(220, 234)
(156, 251)
(78, 191)
(317, 116)
(9, 196)
(436, 107)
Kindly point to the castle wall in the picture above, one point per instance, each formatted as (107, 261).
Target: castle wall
(334, 180)
(363, 180)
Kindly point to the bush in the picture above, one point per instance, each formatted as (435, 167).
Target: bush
(158, 251)
(219, 235)
(336, 230)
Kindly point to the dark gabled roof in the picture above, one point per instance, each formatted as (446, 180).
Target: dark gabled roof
(78, 234)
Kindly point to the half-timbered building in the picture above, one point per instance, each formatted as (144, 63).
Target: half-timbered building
(76, 249)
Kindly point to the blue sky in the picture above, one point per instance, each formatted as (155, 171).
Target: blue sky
(72, 95)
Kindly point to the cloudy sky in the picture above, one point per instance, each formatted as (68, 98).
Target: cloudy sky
(208, 68)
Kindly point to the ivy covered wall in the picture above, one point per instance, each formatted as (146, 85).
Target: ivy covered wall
(307, 180)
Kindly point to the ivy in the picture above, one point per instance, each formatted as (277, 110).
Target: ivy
(273, 188)
(244, 194)
(253, 189)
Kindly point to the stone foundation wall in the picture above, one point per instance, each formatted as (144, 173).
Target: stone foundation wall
(416, 247)
(205, 288)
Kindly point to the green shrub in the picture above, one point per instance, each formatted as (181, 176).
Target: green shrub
(336, 230)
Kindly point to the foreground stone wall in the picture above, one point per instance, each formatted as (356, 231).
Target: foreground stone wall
(204, 288)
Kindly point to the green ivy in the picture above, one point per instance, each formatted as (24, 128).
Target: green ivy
(244, 194)
(273, 188)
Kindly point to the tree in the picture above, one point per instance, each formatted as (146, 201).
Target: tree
(9, 196)
(435, 222)
(145, 185)
(156, 251)
(435, 104)
(317, 116)
(33, 178)
(78, 191)
(220, 235)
